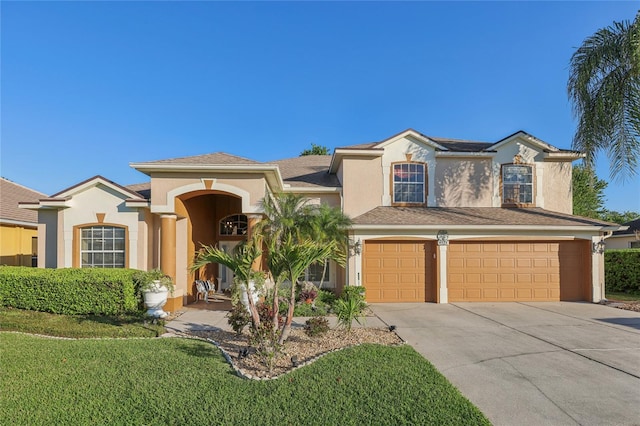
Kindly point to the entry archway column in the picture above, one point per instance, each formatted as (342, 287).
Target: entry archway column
(168, 244)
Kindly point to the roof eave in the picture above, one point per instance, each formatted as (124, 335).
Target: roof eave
(339, 153)
(482, 154)
(583, 228)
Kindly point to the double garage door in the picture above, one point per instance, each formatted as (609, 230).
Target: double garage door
(404, 271)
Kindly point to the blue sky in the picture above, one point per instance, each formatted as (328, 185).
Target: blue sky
(88, 87)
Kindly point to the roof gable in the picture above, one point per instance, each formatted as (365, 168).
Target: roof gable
(93, 182)
(526, 137)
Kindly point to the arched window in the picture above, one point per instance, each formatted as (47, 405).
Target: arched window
(235, 224)
(517, 184)
(102, 247)
(409, 183)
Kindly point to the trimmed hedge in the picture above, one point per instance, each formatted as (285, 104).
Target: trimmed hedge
(70, 291)
(622, 270)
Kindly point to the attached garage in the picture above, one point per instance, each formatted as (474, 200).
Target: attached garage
(519, 271)
(399, 271)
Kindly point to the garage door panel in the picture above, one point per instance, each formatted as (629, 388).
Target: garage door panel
(398, 271)
(518, 271)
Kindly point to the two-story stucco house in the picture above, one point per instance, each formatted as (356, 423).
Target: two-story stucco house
(435, 220)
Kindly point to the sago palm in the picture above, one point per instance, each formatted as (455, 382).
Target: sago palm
(604, 87)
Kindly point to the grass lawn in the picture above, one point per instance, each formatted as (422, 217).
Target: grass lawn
(175, 381)
(77, 325)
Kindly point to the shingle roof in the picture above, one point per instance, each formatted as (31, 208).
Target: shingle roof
(459, 145)
(10, 194)
(144, 189)
(307, 170)
(471, 216)
(213, 158)
(634, 226)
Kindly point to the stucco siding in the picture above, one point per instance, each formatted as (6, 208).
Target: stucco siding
(622, 242)
(166, 186)
(363, 185)
(84, 211)
(557, 188)
(462, 182)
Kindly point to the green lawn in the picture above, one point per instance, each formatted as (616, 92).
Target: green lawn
(77, 325)
(175, 381)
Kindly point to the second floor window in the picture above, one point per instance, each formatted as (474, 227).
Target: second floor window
(102, 247)
(517, 184)
(409, 183)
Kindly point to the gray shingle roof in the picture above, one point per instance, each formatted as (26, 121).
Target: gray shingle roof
(10, 194)
(471, 216)
(634, 226)
(308, 170)
(144, 189)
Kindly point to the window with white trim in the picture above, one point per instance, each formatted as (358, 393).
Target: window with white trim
(409, 183)
(517, 184)
(314, 272)
(102, 247)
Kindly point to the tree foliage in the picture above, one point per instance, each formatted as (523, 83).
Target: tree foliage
(315, 150)
(588, 193)
(589, 198)
(604, 84)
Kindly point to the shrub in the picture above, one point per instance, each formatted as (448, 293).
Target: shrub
(350, 306)
(622, 270)
(70, 291)
(327, 297)
(311, 310)
(316, 326)
(238, 318)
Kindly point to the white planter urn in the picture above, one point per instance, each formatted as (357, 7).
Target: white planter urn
(155, 298)
(243, 295)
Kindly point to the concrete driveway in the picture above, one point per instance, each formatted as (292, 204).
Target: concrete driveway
(531, 363)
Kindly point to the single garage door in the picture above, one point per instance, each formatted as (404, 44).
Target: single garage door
(398, 271)
(518, 271)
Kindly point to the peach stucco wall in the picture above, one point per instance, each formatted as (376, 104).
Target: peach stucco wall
(557, 188)
(463, 182)
(166, 186)
(362, 184)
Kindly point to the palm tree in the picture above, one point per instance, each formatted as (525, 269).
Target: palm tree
(329, 224)
(287, 260)
(604, 84)
(240, 262)
(286, 214)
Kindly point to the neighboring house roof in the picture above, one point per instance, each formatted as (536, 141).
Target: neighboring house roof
(10, 194)
(307, 170)
(472, 216)
(634, 226)
(213, 158)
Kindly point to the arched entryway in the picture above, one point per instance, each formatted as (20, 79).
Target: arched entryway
(212, 218)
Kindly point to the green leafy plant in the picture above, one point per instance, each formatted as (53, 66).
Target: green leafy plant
(154, 279)
(622, 270)
(316, 326)
(238, 318)
(350, 306)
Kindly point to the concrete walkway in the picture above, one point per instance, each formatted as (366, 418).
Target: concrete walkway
(202, 319)
(531, 363)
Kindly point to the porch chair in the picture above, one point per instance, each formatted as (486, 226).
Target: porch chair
(204, 288)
